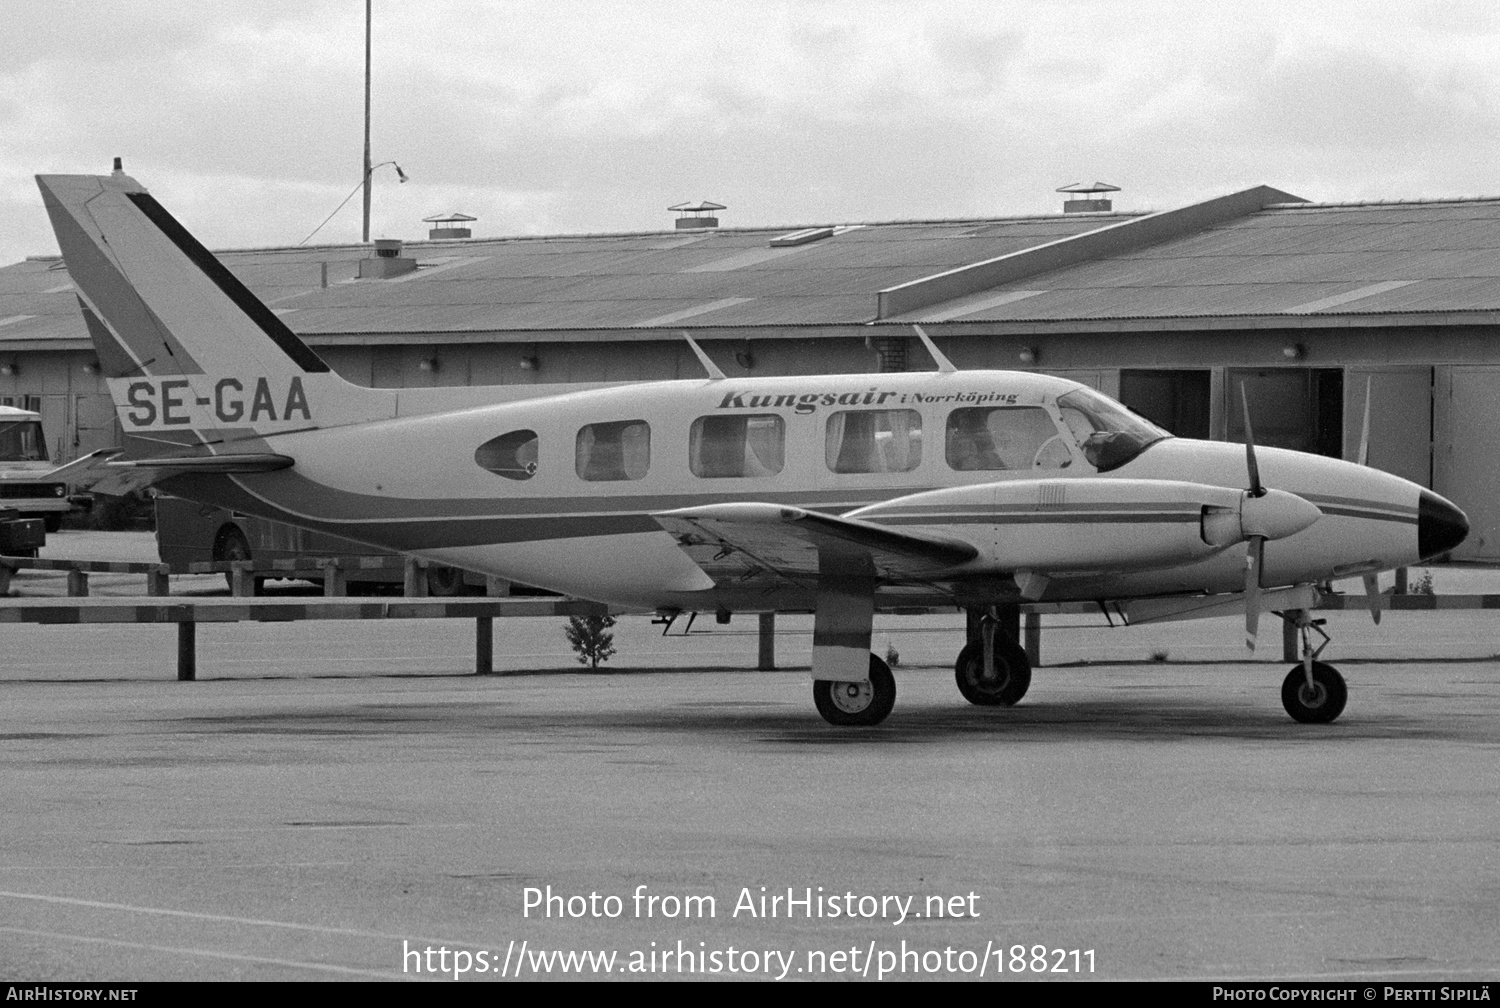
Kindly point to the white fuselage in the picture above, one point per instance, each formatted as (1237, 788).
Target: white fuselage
(431, 485)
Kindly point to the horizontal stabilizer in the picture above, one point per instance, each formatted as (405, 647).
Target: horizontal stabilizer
(245, 463)
(736, 541)
(103, 472)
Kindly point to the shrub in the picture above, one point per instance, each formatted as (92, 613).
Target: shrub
(591, 639)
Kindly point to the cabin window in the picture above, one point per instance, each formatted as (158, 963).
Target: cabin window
(1005, 437)
(620, 450)
(510, 455)
(874, 441)
(737, 446)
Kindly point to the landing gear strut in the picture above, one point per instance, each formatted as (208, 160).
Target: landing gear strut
(857, 703)
(999, 678)
(1313, 692)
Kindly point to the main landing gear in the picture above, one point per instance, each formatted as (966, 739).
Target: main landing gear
(857, 703)
(1313, 691)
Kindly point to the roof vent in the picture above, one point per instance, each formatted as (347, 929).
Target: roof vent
(1087, 197)
(388, 261)
(691, 216)
(452, 225)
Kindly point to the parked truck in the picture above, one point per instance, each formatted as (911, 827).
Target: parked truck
(25, 486)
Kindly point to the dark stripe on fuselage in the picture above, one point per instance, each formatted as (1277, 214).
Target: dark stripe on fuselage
(227, 282)
(1059, 517)
(403, 526)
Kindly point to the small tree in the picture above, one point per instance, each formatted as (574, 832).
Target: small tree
(591, 639)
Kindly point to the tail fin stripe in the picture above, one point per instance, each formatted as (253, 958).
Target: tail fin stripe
(299, 352)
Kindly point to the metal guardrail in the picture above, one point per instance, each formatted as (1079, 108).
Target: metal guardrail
(244, 575)
(188, 613)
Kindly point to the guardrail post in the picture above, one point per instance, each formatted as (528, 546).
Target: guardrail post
(415, 581)
(157, 582)
(1033, 632)
(187, 651)
(766, 658)
(241, 578)
(335, 581)
(78, 584)
(484, 645)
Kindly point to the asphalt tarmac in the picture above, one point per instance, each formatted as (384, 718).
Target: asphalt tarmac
(334, 799)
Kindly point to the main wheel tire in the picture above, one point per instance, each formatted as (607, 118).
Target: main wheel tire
(853, 704)
(1012, 673)
(1319, 704)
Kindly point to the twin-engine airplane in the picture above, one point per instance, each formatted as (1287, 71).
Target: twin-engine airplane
(837, 495)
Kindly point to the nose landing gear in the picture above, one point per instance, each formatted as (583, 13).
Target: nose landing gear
(994, 670)
(1313, 692)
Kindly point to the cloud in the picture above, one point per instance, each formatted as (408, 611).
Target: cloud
(580, 116)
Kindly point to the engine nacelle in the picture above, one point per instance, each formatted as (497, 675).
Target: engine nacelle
(1085, 526)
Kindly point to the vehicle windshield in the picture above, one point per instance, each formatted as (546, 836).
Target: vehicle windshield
(1109, 434)
(21, 441)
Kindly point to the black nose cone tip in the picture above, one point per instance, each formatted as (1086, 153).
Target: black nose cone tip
(1440, 526)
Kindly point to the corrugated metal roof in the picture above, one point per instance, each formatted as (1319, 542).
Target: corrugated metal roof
(1446, 256)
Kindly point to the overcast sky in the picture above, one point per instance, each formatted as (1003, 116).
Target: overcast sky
(558, 116)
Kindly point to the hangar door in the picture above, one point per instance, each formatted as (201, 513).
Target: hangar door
(1400, 419)
(1466, 452)
(1297, 408)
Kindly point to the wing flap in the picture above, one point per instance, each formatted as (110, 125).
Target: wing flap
(736, 542)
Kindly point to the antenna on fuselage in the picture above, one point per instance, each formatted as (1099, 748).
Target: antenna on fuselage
(945, 366)
(708, 365)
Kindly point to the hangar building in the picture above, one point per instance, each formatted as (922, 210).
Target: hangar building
(1304, 303)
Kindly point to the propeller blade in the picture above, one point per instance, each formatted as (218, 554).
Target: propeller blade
(1374, 596)
(1364, 433)
(1253, 553)
(1256, 489)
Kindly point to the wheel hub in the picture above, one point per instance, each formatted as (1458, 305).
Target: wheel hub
(852, 697)
(1312, 696)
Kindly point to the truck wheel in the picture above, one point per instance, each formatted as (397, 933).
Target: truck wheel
(53, 520)
(232, 545)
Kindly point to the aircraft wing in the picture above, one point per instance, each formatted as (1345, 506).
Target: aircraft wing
(733, 542)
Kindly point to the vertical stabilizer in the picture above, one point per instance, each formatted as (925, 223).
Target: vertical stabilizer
(190, 355)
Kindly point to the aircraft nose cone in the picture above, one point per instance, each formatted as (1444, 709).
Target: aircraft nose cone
(1440, 525)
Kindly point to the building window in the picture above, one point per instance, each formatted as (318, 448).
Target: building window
(619, 450)
(737, 446)
(510, 455)
(874, 441)
(1006, 437)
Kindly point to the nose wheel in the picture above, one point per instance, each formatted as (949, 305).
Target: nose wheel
(1000, 682)
(1313, 692)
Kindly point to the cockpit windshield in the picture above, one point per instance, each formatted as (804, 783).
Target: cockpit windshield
(1109, 434)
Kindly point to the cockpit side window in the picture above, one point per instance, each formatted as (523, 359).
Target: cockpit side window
(512, 455)
(737, 446)
(987, 438)
(1109, 434)
(620, 450)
